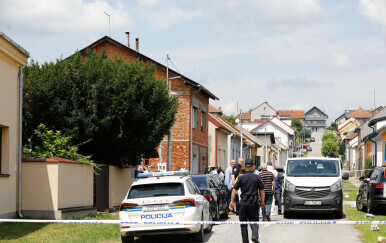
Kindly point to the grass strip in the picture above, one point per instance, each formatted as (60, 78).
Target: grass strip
(350, 190)
(40, 232)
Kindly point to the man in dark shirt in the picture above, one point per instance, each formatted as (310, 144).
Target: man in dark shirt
(250, 185)
(235, 174)
(269, 187)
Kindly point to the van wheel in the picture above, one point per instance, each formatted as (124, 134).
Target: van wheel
(199, 236)
(127, 239)
(287, 215)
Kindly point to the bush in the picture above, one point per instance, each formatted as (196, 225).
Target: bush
(368, 166)
(330, 148)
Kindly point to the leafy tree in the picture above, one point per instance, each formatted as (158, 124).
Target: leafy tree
(329, 136)
(333, 126)
(305, 133)
(330, 148)
(231, 119)
(297, 125)
(118, 111)
(54, 144)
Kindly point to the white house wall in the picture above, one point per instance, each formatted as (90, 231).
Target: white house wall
(278, 133)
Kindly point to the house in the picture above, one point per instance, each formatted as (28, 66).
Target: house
(347, 128)
(219, 135)
(245, 116)
(289, 114)
(360, 115)
(316, 120)
(347, 115)
(351, 151)
(214, 110)
(281, 142)
(251, 146)
(12, 58)
(263, 111)
(189, 134)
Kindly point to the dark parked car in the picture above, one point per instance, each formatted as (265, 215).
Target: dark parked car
(372, 193)
(312, 139)
(218, 198)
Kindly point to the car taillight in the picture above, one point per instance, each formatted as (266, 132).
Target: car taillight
(127, 206)
(378, 185)
(190, 202)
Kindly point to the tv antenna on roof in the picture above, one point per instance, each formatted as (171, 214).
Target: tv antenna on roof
(109, 21)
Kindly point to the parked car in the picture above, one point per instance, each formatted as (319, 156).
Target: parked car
(372, 193)
(297, 153)
(309, 148)
(312, 139)
(167, 199)
(313, 185)
(218, 198)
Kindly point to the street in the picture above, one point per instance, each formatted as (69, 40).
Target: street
(317, 145)
(274, 233)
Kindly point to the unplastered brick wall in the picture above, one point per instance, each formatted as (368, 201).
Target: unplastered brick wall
(181, 129)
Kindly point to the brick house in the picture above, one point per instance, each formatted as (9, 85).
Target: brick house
(189, 133)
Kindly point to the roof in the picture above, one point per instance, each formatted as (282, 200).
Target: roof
(266, 102)
(318, 110)
(291, 113)
(246, 135)
(213, 119)
(245, 116)
(351, 136)
(17, 46)
(213, 109)
(273, 124)
(360, 113)
(146, 58)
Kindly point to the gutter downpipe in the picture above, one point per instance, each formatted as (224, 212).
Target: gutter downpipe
(191, 127)
(375, 153)
(20, 139)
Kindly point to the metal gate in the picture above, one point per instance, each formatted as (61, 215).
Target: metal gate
(101, 188)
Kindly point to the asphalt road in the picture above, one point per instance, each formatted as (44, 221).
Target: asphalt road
(317, 145)
(274, 233)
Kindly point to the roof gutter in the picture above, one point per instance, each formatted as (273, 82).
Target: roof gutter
(191, 127)
(20, 139)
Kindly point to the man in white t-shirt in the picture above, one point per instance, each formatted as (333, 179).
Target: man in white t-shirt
(270, 168)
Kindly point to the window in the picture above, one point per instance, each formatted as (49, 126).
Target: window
(161, 166)
(156, 190)
(375, 175)
(190, 187)
(195, 118)
(203, 121)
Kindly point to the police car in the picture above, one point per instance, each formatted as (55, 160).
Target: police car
(167, 199)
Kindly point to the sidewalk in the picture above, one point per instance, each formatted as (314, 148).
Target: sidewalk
(354, 181)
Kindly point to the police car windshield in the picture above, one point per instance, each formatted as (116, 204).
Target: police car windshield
(313, 168)
(156, 190)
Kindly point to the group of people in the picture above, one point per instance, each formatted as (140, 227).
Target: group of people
(216, 171)
(257, 187)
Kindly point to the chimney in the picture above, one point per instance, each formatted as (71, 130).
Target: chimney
(128, 39)
(137, 44)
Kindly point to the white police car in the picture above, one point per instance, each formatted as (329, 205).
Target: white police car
(167, 199)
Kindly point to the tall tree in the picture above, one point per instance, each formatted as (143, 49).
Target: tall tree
(329, 136)
(330, 148)
(116, 111)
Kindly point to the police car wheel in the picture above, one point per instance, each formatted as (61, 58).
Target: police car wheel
(199, 236)
(210, 226)
(127, 239)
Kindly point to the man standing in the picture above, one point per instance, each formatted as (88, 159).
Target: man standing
(277, 193)
(229, 182)
(269, 188)
(235, 174)
(250, 185)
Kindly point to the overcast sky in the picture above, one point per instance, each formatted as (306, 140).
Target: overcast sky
(295, 54)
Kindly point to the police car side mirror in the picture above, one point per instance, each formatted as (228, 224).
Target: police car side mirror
(280, 176)
(362, 178)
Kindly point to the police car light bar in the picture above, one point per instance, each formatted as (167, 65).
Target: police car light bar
(166, 173)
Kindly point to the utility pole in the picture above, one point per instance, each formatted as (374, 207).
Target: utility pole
(169, 164)
(109, 21)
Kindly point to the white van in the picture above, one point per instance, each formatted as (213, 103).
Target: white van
(313, 185)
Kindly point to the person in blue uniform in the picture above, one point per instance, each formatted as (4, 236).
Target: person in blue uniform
(250, 185)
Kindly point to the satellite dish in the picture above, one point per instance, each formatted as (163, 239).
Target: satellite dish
(237, 120)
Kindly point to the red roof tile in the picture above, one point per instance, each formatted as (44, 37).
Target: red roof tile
(245, 116)
(214, 109)
(351, 136)
(291, 113)
(360, 113)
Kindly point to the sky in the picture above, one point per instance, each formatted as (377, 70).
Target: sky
(295, 54)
